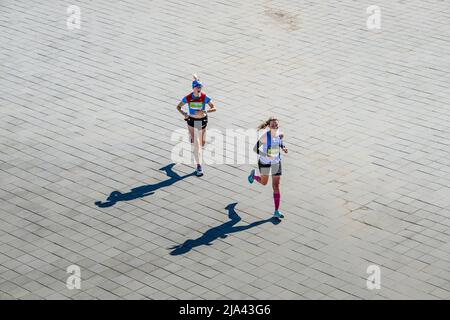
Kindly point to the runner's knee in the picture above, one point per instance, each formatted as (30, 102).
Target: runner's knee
(276, 183)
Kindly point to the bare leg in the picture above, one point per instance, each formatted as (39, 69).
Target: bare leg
(276, 184)
(203, 137)
(193, 133)
(264, 179)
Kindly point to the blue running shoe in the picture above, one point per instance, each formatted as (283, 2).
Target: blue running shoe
(277, 214)
(251, 177)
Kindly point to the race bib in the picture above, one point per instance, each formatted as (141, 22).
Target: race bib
(273, 151)
(196, 105)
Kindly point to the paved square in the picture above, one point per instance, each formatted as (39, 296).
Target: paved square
(90, 111)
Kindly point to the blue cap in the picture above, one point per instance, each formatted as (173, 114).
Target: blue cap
(196, 84)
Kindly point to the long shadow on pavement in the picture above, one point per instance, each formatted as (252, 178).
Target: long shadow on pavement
(221, 231)
(143, 191)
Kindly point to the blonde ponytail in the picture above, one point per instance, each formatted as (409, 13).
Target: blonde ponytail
(195, 77)
(266, 123)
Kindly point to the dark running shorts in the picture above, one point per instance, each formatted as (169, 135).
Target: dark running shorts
(192, 121)
(273, 169)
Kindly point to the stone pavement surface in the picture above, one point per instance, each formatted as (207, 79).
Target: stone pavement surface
(90, 111)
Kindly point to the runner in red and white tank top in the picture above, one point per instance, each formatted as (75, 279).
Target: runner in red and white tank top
(197, 118)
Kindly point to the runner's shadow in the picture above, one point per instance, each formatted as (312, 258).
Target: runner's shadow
(143, 191)
(221, 231)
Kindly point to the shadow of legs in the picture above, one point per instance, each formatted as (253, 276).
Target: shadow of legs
(143, 191)
(220, 231)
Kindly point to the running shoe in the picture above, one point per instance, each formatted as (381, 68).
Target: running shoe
(199, 171)
(277, 214)
(251, 177)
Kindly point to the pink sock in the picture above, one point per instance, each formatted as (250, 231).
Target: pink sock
(257, 178)
(276, 199)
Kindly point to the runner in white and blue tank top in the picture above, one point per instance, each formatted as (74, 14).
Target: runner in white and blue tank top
(272, 148)
(269, 162)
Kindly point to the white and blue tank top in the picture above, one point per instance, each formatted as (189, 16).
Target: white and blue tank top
(272, 147)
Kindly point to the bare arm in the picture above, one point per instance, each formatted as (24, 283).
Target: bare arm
(283, 147)
(181, 111)
(212, 108)
(258, 145)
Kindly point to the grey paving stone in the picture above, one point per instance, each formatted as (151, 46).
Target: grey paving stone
(88, 112)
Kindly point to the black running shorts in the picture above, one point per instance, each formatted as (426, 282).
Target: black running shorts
(193, 122)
